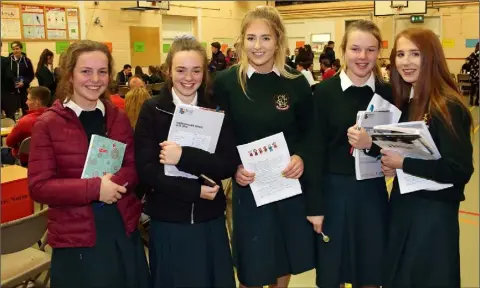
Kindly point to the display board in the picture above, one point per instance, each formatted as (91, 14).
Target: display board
(33, 22)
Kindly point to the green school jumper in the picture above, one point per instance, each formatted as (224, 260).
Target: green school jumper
(276, 239)
(355, 211)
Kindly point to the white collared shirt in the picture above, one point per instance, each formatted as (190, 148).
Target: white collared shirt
(309, 76)
(252, 70)
(411, 94)
(177, 100)
(77, 109)
(346, 82)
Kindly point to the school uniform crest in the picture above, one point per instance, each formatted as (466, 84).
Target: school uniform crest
(282, 102)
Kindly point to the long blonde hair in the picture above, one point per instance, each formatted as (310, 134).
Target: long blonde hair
(364, 26)
(68, 61)
(133, 103)
(273, 19)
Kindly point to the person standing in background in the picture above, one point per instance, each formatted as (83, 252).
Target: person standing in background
(473, 60)
(44, 73)
(8, 101)
(217, 63)
(22, 69)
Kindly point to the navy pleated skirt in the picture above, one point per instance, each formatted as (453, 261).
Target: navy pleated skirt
(116, 261)
(423, 242)
(190, 255)
(356, 222)
(270, 241)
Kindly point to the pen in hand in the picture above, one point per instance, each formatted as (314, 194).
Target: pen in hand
(103, 203)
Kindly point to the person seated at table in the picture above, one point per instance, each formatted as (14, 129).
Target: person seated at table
(136, 82)
(124, 76)
(37, 101)
(115, 97)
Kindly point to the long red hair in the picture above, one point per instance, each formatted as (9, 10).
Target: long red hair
(435, 87)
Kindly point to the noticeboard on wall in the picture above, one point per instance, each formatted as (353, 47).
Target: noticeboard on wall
(34, 22)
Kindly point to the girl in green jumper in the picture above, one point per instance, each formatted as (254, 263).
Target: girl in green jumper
(423, 244)
(355, 211)
(263, 97)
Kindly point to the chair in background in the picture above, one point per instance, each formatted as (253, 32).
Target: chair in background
(463, 82)
(123, 90)
(23, 150)
(20, 262)
(8, 122)
(156, 87)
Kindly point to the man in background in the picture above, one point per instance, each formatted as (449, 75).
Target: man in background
(8, 103)
(21, 68)
(217, 63)
(136, 82)
(124, 75)
(37, 102)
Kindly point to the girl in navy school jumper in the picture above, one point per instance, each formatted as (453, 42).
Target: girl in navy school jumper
(92, 225)
(355, 211)
(189, 246)
(424, 90)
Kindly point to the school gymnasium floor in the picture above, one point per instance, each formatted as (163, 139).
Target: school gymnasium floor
(469, 224)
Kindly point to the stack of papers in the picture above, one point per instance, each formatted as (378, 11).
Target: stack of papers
(411, 139)
(380, 112)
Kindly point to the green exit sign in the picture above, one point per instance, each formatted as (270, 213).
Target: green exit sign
(417, 19)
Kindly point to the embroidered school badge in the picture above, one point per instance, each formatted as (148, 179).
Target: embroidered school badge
(282, 102)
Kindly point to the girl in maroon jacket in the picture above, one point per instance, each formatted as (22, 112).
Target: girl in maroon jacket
(92, 222)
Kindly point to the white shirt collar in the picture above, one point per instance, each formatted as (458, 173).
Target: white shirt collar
(411, 94)
(252, 70)
(77, 109)
(346, 82)
(176, 99)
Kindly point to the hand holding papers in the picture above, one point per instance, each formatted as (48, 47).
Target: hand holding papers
(195, 127)
(410, 139)
(367, 167)
(380, 111)
(267, 158)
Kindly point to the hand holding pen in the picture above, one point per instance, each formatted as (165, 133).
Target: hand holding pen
(110, 192)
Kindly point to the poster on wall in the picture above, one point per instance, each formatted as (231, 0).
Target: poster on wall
(56, 18)
(57, 34)
(56, 23)
(72, 20)
(33, 22)
(10, 20)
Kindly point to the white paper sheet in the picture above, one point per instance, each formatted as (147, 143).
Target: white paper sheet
(267, 158)
(194, 127)
(367, 167)
(409, 183)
